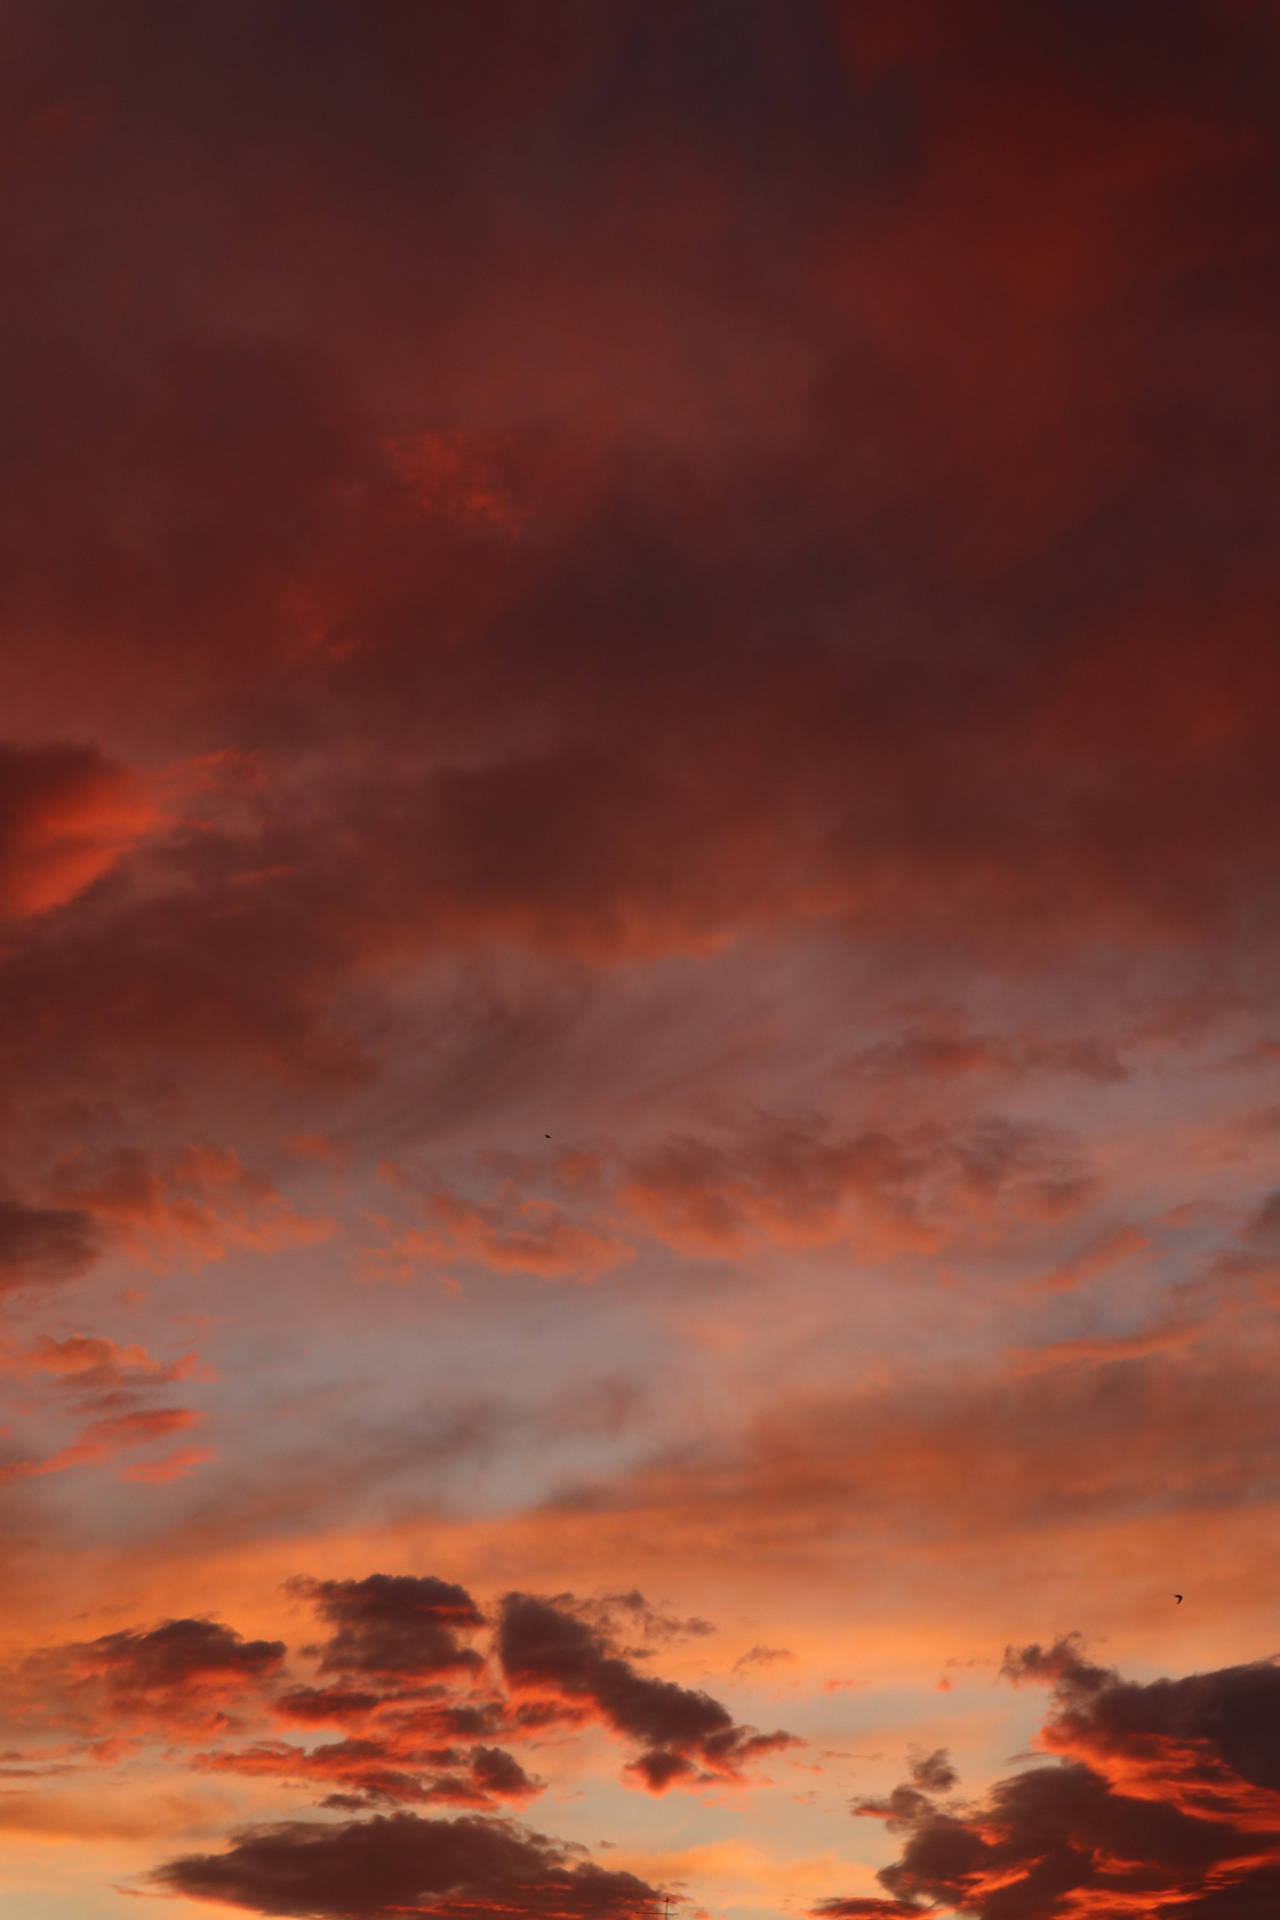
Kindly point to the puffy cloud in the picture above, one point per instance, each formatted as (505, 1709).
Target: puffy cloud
(394, 1627)
(180, 1677)
(181, 1653)
(372, 1869)
(1165, 1799)
(547, 1648)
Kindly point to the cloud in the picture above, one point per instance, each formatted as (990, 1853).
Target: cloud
(513, 1234)
(1264, 1224)
(390, 1766)
(617, 1616)
(793, 1182)
(547, 1649)
(1093, 1431)
(459, 477)
(856, 1908)
(67, 814)
(173, 1466)
(182, 1653)
(202, 1202)
(44, 1243)
(662, 713)
(760, 1657)
(934, 1771)
(395, 1627)
(179, 1678)
(309, 1706)
(1104, 1250)
(1164, 1798)
(372, 1869)
(91, 1363)
(103, 1439)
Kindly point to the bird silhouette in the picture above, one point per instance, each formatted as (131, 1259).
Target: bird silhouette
(1178, 1598)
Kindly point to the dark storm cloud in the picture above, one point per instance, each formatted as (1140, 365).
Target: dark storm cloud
(394, 1626)
(683, 1735)
(366, 1869)
(1165, 1799)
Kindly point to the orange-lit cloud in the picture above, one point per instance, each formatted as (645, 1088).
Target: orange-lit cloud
(102, 1440)
(1165, 1798)
(66, 816)
(203, 1203)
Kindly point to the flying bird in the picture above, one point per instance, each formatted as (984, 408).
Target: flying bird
(1178, 1598)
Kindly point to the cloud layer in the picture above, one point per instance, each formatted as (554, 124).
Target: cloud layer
(639, 832)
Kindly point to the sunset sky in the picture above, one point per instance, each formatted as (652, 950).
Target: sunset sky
(640, 959)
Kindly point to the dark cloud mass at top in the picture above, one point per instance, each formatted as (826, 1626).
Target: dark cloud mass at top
(914, 510)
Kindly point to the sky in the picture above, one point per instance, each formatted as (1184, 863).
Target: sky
(639, 937)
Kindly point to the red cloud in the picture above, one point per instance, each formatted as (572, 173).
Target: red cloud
(66, 816)
(92, 1363)
(460, 477)
(514, 1234)
(203, 1201)
(102, 1440)
(173, 1466)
